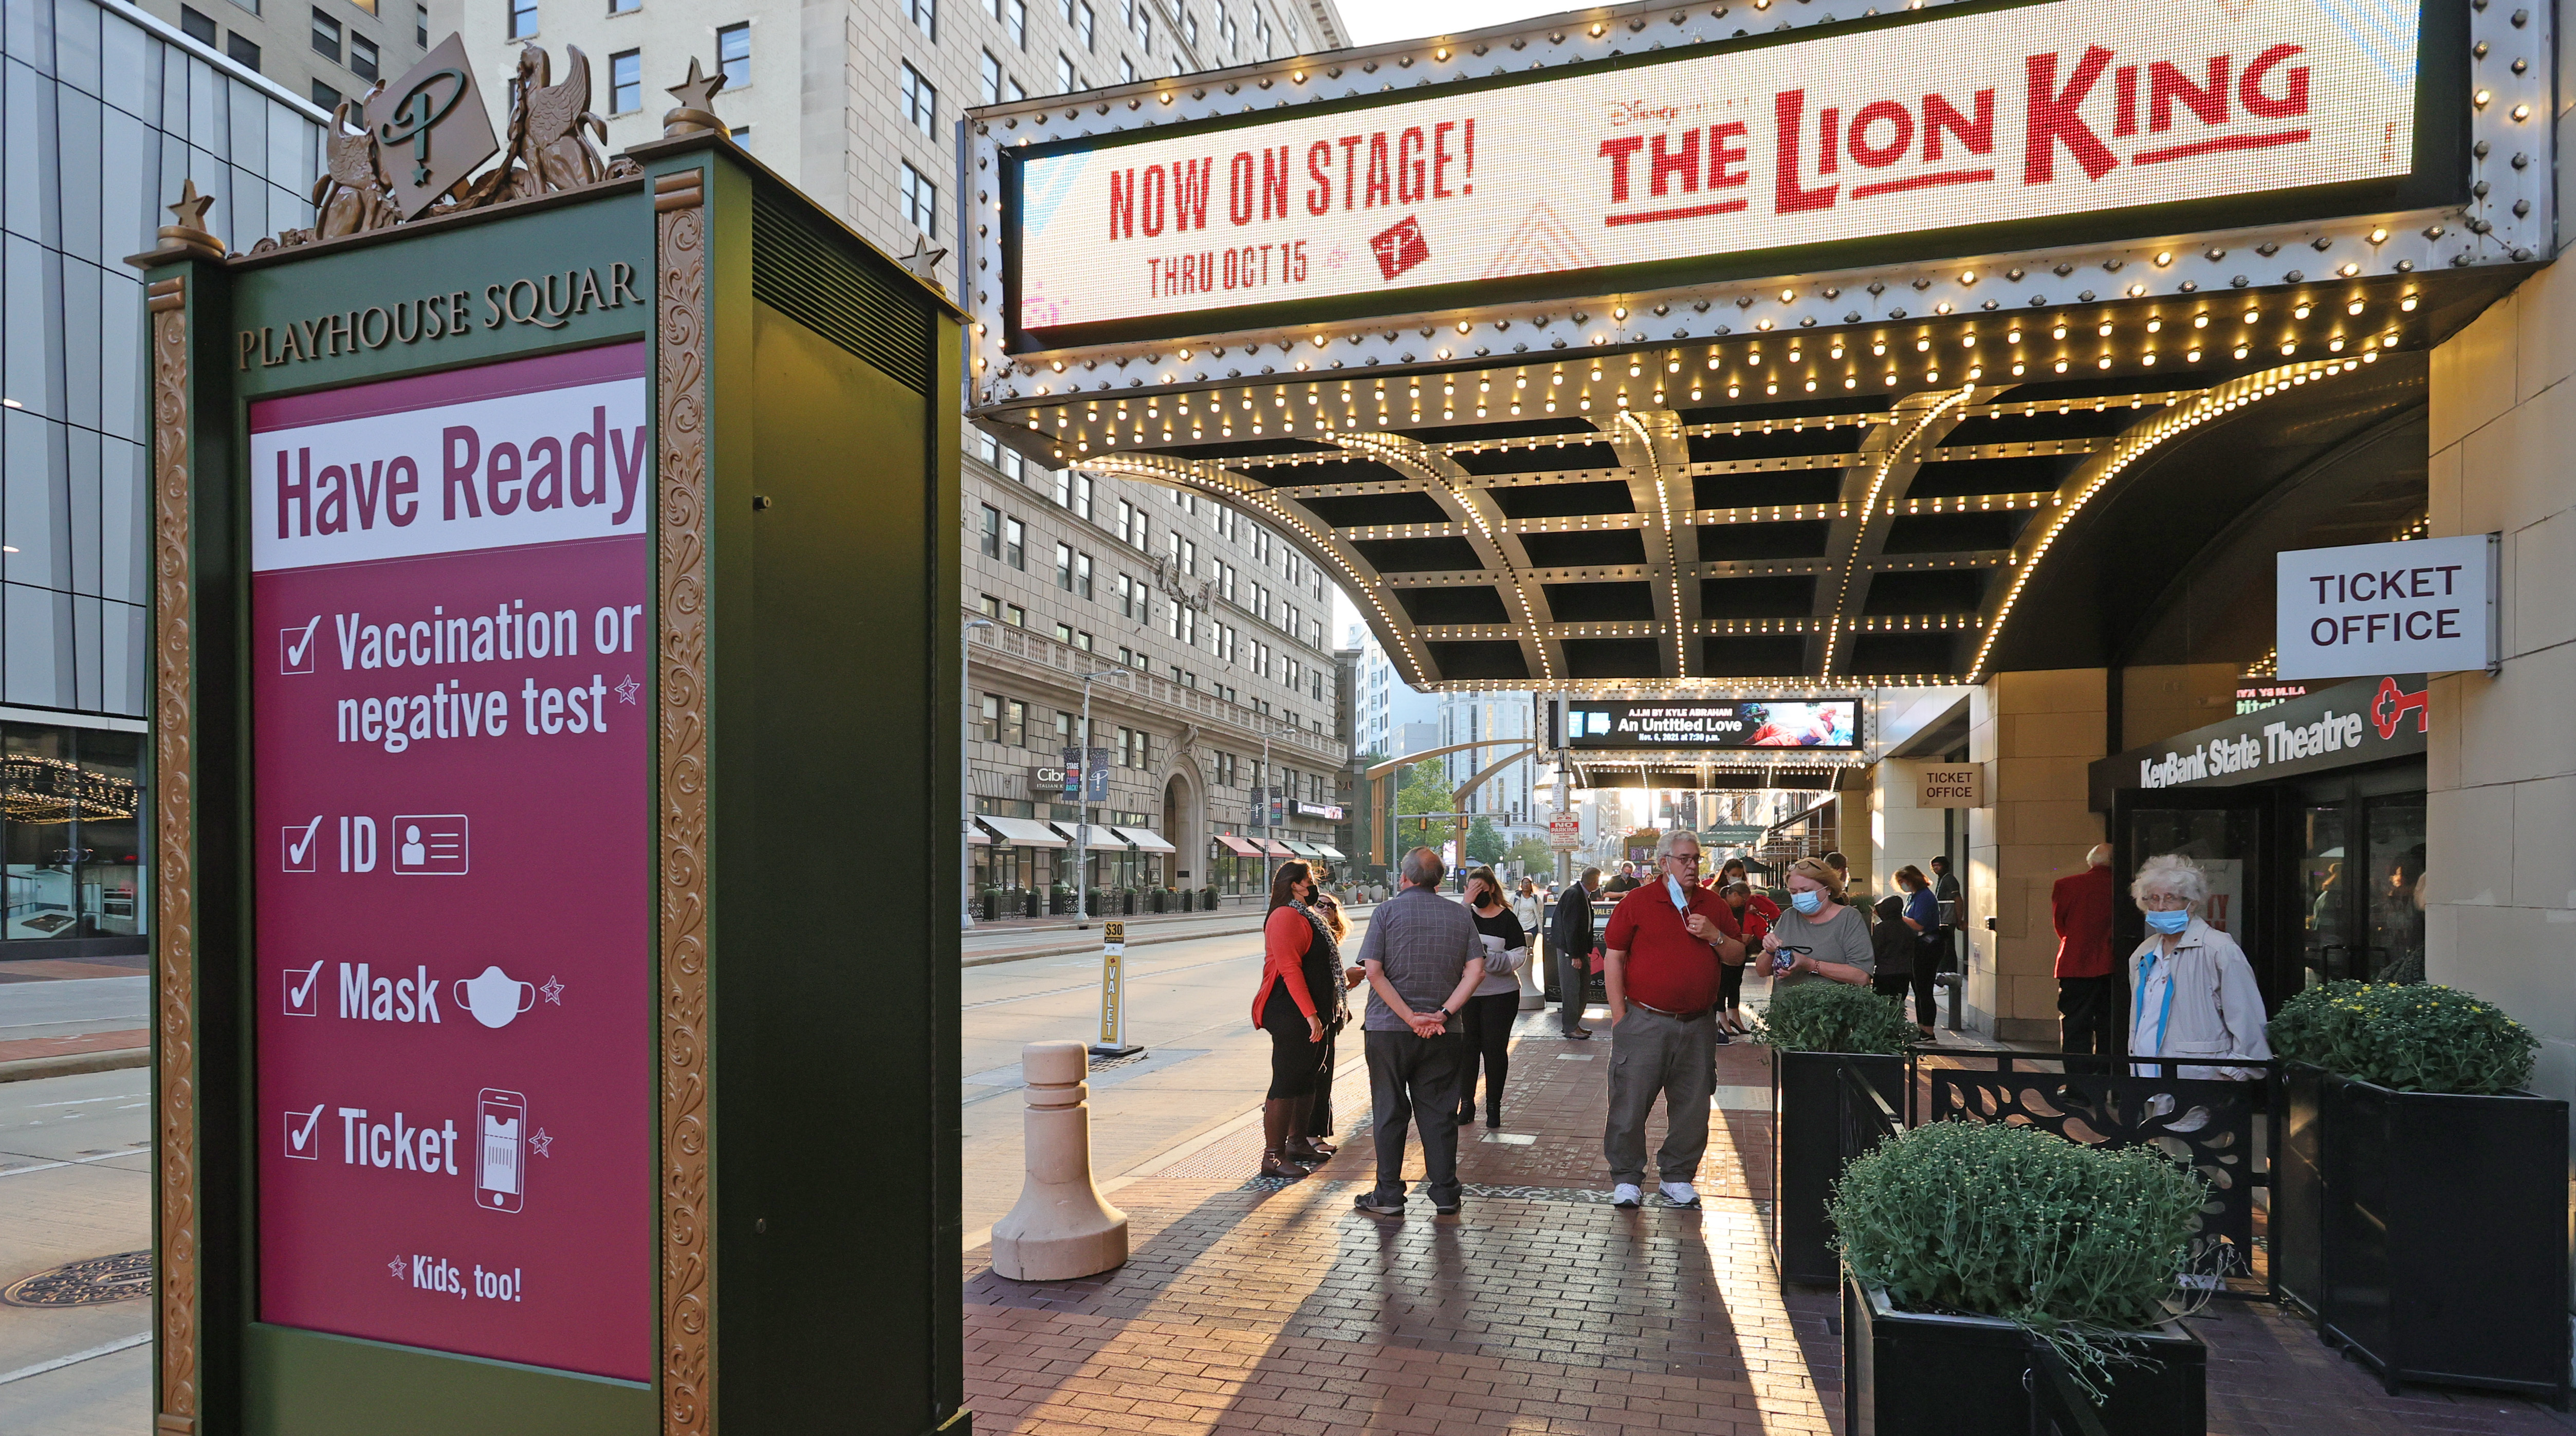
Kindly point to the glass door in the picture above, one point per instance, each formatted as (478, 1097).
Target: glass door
(2392, 900)
(2326, 875)
(2226, 833)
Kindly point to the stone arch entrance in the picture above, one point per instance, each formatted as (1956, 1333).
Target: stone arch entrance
(1185, 825)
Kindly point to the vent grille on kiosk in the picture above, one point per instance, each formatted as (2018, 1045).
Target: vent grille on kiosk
(820, 283)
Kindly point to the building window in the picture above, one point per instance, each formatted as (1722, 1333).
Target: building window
(1190, 557)
(992, 532)
(523, 18)
(1126, 596)
(1064, 75)
(362, 56)
(624, 7)
(324, 97)
(1015, 544)
(920, 201)
(1063, 721)
(1017, 23)
(1015, 721)
(1085, 25)
(920, 98)
(1126, 69)
(1082, 574)
(200, 28)
(1139, 749)
(740, 135)
(990, 72)
(925, 17)
(1190, 29)
(625, 82)
(326, 36)
(1015, 616)
(242, 52)
(1064, 567)
(733, 55)
(992, 606)
(1127, 522)
(1082, 496)
(1225, 33)
(420, 26)
(1064, 488)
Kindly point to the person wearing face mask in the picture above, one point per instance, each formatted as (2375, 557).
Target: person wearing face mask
(1300, 975)
(1488, 1015)
(2194, 994)
(1834, 937)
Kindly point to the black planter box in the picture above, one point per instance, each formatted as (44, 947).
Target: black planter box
(1807, 1155)
(2443, 1237)
(1906, 1374)
(2296, 1221)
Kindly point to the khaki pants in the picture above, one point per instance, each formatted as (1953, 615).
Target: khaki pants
(1654, 1055)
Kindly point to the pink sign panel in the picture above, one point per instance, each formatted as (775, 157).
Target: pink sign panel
(451, 659)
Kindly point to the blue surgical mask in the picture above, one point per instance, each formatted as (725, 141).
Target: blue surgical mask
(2169, 923)
(1807, 902)
(1673, 886)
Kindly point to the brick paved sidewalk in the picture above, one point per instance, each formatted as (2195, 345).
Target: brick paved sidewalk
(1266, 1306)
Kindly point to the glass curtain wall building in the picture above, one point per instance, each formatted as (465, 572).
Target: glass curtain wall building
(104, 113)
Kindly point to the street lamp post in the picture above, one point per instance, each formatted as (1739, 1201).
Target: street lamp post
(965, 800)
(1082, 801)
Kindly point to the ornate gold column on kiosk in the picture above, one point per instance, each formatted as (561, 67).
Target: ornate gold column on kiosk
(506, 625)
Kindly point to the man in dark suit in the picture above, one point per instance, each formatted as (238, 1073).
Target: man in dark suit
(1571, 937)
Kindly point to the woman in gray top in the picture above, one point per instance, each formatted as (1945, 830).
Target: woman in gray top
(1835, 937)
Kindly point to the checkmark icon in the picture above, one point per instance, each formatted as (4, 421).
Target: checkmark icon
(298, 843)
(299, 1140)
(295, 647)
(298, 994)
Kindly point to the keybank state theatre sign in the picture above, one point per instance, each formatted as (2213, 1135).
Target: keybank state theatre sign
(1916, 125)
(2363, 721)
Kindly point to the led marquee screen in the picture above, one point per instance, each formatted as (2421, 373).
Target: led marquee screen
(2041, 111)
(1699, 723)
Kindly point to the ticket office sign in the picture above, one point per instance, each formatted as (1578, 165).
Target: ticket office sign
(451, 648)
(2047, 111)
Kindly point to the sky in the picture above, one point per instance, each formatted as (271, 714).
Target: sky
(1373, 22)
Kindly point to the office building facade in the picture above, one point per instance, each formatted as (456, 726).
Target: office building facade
(110, 110)
(321, 51)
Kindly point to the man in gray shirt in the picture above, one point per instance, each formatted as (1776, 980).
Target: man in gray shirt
(1424, 960)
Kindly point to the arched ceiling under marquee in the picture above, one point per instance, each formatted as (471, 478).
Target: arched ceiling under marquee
(1885, 504)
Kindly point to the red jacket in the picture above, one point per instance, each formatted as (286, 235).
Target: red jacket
(1285, 936)
(2080, 907)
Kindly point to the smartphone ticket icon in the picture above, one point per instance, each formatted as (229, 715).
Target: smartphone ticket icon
(303, 990)
(430, 845)
(303, 1140)
(295, 647)
(501, 1144)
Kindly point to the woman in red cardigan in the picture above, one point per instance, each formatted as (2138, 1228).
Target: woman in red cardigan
(1297, 1004)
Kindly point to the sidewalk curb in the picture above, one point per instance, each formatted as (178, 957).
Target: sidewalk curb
(74, 1063)
(1093, 947)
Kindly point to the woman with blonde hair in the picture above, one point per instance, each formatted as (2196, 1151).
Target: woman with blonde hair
(1314, 1143)
(1818, 937)
(2192, 993)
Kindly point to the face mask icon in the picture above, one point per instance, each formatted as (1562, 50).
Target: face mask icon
(495, 997)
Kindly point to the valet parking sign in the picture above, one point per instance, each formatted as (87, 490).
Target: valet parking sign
(2020, 112)
(450, 717)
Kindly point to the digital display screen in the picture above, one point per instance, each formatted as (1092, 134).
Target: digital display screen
(1832, 724)
(2028, 112)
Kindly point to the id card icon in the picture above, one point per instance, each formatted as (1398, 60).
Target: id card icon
(1400, 247)
(500, 1150)
(430, 845)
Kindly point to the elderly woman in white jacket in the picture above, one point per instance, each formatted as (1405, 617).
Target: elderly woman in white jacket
(2191, 991)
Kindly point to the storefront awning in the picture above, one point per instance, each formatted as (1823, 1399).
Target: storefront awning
(1145, 840)
(978, 837)
(1095, 837)
(1330, 853)
(1303, 850)
(1024, 833)
(1272, 847)
(1237, 846)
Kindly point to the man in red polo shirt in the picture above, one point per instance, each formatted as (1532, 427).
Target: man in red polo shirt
(2091, 1009)
(1666, 941)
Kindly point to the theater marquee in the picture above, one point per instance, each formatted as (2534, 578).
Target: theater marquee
(2062, 120)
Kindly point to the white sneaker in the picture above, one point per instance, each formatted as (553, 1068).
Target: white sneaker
(1625, 1195)
(1681, 1194)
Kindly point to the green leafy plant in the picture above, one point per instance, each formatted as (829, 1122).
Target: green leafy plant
(1834, 1017)
(2413, 1037)
(2074, 1244)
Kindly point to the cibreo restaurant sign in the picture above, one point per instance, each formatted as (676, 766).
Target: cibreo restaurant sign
(2003, 114)
(2341, 727)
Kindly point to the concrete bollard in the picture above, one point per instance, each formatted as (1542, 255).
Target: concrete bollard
(1062, 1227)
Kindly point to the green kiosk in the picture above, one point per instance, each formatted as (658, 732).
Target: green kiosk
(556, 1015)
